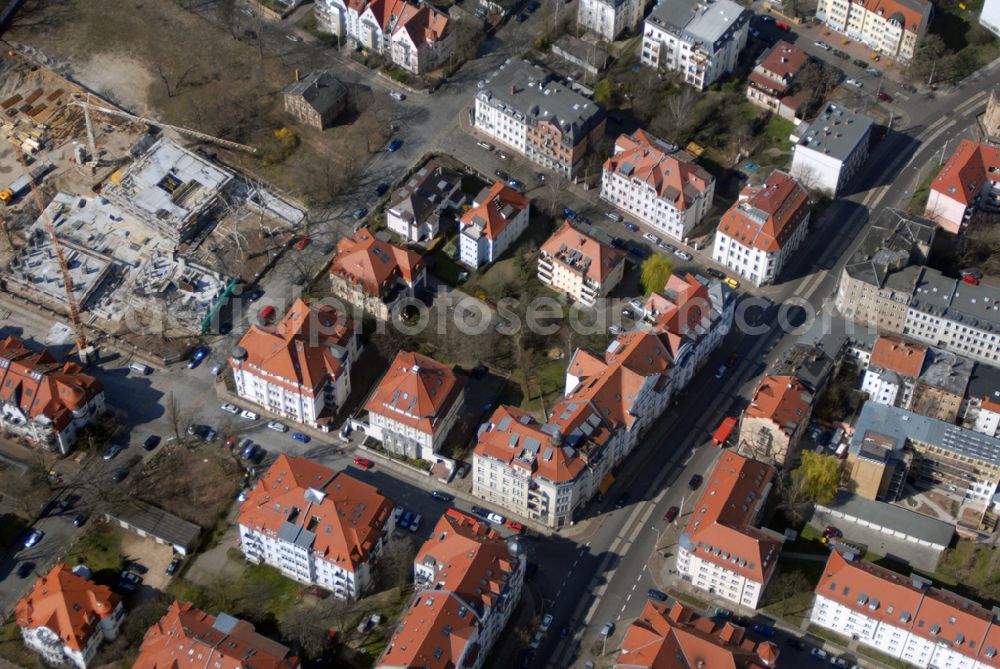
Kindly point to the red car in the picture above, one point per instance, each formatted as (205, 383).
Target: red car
(971, 280)
(516, 526)
(832, 531)
(884, 97)
(266, 313)
(783, 26)
(671, 514)
(364, 464)
(303, 243)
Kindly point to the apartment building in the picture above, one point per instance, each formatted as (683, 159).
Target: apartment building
(299, 369)
(186, 636)
(579, 266)
(892, 28)
(904, 617)
(912, 376)
(891, 447)
(699, 40)
(673, 636)
(609, 18)
(970, 180)
(657, 183)
(414, 406)
(429, 198)
(44, 401)
(66, 617)
(723, 550)
(467, 582)
(770, 85)
(776, 419)
(547, 472)
(316, 525)
(521, 107)
(375, 276)
(763, 229)
(832, 149)
(496, 219)
(413, 35)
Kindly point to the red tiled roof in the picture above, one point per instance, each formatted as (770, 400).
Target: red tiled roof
(766, 216)
(416, 390)
(898, 355)
(422, 23)
(904, 13)
(40, 386)
(69, 605)
(189, 638)
(472, 566)
(494, 209)
(783, 60)
(306, 348)
(682, 308)
(516, 438)
(721, 529)
(590, 257)
(346, 516)
(672, 174)
(966, 171)
(675, 637)
(374, 264)
(784, 400)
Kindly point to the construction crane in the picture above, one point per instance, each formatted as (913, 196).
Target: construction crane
(82, 348)
(184, 131)
(91, 141)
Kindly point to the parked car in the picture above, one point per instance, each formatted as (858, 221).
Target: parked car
(485, 145)
(33, 538)
(277, 427)
(403, 522)
(714, 273)
(516, 526)
(502, 156)
(832, 531)
(394, 145)
(298, 436)
(732, 283)
(200, 354)
(631, 227)
(608, 629)
(764, 630)
(266, 314)
(822, 45)
(653, 593)
(695, 481)
(622, 500)
(501, 175)
(514, 183)
(249, 415)
(363, 463)
(651, 238)
(172, 567)
(884, 97)
(112, 452)
(671, 514)
(25, 569)
(129, 581)
(152, 441)
(720, 372)
(840, 54)
(119, 474)
(536, 640)
(79, 519)
(230, 408)
(303, 243)
(860, 63)
(617, 218)
(136, 567)
(359, 213)
(380, 191)
(293, 38)
(795, 643)
(873, 71)
(854, 82)
(546, 622)
(480, 511)
(217, 369)
(681, 253)
(442, 496)
(397, 95)
(818, 653)
(415, 523)
(839, 662)
(495, 518)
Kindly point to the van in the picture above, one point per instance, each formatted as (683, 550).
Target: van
(140, 368)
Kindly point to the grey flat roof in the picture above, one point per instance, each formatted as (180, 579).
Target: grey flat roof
(697, 21)
(985, 382)
(900, 425)
(530, 92)
(837, 131)
(903, 520)
(890, 244)
(831, 333)
(947, 371)
(158, 523)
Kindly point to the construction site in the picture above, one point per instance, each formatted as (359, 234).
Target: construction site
(110, 219)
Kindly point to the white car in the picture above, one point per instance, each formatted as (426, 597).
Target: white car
(293, 38)
(277, 427)
(485, 146)
(546, 622)
(854, 82)
(838, 662)
(250, 415)
(495, 518)
(397, 95)
(230, 408)
(537, 640)
(33, 538)
(681, 253)
(822, 45)
(650, 237)
(818, 653)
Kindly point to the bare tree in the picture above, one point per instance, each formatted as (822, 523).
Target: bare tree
(26, 490)
(164, 77)
(396, 562)
(178, 420)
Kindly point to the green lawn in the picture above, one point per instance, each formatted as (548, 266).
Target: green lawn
(833, 637)
(881, 657)
(962, 34)
(99, 549)
(919, 200)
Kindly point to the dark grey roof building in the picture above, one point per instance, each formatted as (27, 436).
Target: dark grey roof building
(316, 99)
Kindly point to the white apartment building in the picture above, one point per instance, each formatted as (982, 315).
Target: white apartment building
(610, 18)
(763, 229)
(968, 181)
(316, 525)
(893, 28)
(700, 40)
(658, 184)
(300, 369)
(496, 219)
(414, 406)
(832, 150)
(66, 617)
(579, 266)
(466, 577)
(722, 550)
(522, 107)
(904, 616)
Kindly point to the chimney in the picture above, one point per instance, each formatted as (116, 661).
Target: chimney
(296, 74)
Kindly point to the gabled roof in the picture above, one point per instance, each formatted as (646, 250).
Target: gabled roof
(304, 350)
(766, 216)
(909, 14)
(472, 567)
(683, 308)
(675, 637)
(42, 387)
(416, 390)
(187, 637)
(320, 89)
(671, 173)
(517, 439)
(783, 400)
(494, 209)
(783, 60)
(422, 23)
(582, 253)
(895, 354)
(373, 264)
(967, 170)
(69, 605)
(336, 516)
(721, 528)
